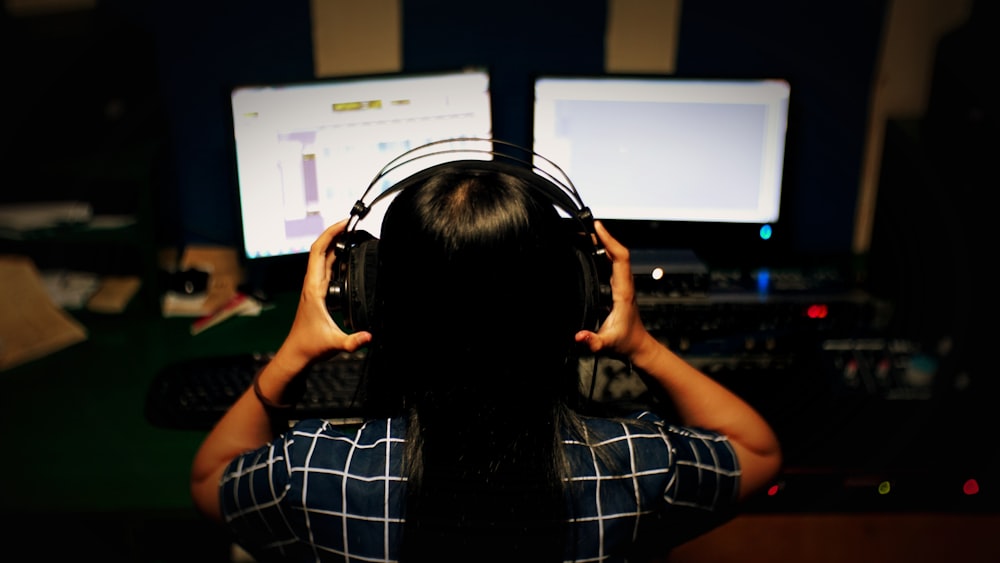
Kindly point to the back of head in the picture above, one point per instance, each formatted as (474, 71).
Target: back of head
(478, 279)
(478, 297)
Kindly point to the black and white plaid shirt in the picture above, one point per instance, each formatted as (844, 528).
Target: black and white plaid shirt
(323, 493)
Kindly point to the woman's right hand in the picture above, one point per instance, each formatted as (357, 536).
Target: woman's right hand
(622, 332)
(314, 334)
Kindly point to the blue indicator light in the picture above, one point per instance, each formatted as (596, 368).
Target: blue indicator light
(763, 280)
(765, 232)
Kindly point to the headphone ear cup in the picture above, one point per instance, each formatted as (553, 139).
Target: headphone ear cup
(594, 306)
(352, 279)
(361, 273)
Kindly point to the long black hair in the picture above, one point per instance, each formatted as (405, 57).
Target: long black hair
(479, 294)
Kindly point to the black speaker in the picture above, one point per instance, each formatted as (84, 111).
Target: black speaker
(355, 269)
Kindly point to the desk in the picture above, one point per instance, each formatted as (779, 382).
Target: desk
(76, 441)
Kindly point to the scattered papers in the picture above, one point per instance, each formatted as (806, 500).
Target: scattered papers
(20, 217)
(224, 277)
(114, 294)
(70, 289)
(107, 222)
(240, 304)
(31, 324)
(73, 290)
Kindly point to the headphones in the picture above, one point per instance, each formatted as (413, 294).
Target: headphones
(353, 277)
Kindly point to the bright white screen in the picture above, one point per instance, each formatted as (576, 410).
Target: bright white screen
(667, 149)
(306, 152)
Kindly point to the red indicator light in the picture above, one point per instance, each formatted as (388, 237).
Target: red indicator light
(773, 490)
(970, 487)
(817, 311)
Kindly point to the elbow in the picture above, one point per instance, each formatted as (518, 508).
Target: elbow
(205, 496)
(770, 464)
(774, 462)
(758, 469)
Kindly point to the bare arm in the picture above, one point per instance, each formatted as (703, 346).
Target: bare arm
(700, 400)
(248, 425)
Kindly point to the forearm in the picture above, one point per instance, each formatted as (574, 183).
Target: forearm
(705, 403)
(247, 425)
(699, 400)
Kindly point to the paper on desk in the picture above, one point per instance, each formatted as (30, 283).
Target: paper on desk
(40, 215)
(69, 289)
(240, 304)
(31, 325)
(224, 277)
(114, 294)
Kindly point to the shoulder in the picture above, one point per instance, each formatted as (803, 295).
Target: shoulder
(647, 437)
(642, 424)
(318, 452)
(336, 442)
(640, 472)
(311, 443)
(314, 472)
(647, 423)
(376, 430)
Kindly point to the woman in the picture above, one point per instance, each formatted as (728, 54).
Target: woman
(473, 448)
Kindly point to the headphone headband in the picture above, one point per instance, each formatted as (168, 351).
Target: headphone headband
(467, 151)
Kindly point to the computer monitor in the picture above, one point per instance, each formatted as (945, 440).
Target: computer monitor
(687, 163)
(305, 152)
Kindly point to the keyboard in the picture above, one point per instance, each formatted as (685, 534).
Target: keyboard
(194, 394)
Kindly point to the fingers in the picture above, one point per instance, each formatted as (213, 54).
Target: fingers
(322, 243)
(621, 267)
(356, 340)
(622, 284)
(591, 339)
(619, 327)
(615, 250)
(320, 258)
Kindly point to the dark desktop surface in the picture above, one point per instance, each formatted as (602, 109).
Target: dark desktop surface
(76, 418)
(85, 471)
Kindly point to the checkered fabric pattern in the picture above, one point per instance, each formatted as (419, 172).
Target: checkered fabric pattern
(323, 493)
